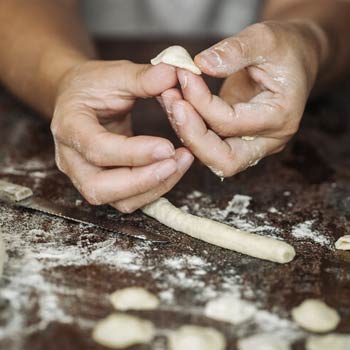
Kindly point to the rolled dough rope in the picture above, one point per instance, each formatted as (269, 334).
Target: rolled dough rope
(220, 234)
(177, 56)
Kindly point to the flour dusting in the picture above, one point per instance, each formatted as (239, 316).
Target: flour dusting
(304, 231)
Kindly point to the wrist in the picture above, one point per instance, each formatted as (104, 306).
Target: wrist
(54, 68)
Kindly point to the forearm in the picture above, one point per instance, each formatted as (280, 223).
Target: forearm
(40, 41)
(327, 23)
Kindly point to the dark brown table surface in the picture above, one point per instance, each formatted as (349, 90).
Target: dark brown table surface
(59, 274)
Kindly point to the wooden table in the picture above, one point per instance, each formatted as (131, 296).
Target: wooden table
(59, 274)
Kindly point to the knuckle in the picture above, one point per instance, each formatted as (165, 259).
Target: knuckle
(89, 192)
(240, 47)
(267, 34)
(94, 154)
(223, 129)
(143, 186)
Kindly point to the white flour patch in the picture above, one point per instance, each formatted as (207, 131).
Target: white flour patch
(304, 231)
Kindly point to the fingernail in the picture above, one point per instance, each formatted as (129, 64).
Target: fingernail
(167, 104)
(163, 152)
(211, 59)
(179, 114)
(166, 169)
(183, 79)
(185, 161)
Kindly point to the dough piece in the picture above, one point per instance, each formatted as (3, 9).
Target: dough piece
(177, 56)
(230, 309)
(3, 256)
(14, 192)
(196, 338)
(119, 331)
(263, 342)
(315, 316)
(328, 342)
(220, 234)
(343, 243)
(134, 298)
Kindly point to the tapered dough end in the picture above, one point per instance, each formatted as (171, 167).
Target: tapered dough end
(287, 254)
(177, 56)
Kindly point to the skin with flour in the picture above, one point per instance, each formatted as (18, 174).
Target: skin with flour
(220, 234)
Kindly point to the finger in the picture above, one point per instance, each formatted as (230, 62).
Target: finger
(184, 160)
(100, 186)
(251, 46)
(249, 153)
(168, 98)
(224, 157)
(145, 80)
(260, 116)
(201, 141)
(102, 148)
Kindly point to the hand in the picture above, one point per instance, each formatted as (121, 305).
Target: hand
(270, 69)
(93, 138)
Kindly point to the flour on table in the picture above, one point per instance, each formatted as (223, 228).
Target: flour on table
(315, 316)
(328, 342)
(177, 56)
(231, 309)
(119, 331)
(134, 298)
(264, 341)
(304, 231)
(196, 338)
(343, 243)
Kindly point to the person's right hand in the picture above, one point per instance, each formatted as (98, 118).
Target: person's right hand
(93, 137)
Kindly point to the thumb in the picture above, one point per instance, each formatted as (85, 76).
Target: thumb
(145, 80)
(230, 55)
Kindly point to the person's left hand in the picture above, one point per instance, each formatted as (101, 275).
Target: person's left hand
(270, 69)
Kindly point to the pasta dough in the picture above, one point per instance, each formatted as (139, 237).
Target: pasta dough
(119, 331)
(228, 308)
(220, 234)
(14, 192)
(196, 338)
(315, 316)
(328, 342)
(134, 298)
(343, 243)
(263, 342)
(177, 56)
